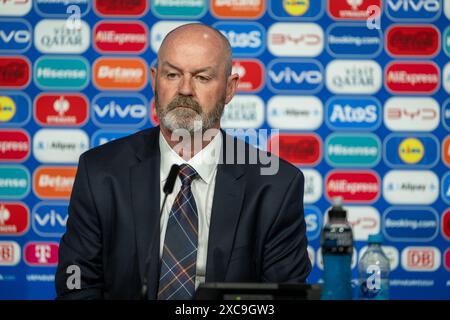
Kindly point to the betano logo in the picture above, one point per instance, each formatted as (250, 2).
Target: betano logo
(421, 259)
(413, 10)
(238, 9)
(413, 41)
(14, 182)
(9, 251)
(15, 35)
(135, 8)
(353, 186)
(53, 182)
(14, 145)
(15, 8)
(412, 77)
(352, 9)
(178, 9)
(14, 218)
(15, 72)
(43, 254)
(244, 111)
(62, 109)
(119, 73)
(251, 74)
(446, 151)
(120, 37)
(298, 149)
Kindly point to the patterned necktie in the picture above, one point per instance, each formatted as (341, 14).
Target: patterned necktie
(179, 258)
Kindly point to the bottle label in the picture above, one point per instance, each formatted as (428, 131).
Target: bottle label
(372, 286)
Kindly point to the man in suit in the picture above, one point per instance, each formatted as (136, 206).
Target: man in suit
(225, 221)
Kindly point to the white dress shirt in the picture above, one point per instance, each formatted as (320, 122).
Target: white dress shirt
(205, 163)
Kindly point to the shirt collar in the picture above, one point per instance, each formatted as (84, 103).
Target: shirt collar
(203, 162)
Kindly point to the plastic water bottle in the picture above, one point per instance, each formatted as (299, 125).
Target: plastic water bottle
(374, 271)
(337, 249)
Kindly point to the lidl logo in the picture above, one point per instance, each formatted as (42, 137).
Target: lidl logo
(353, 113)
(101, 137)
(353, 186)
(238, 9)
(244, 111)
(53, 182)
(14, 145)
(15, 72)
(411, 114)
(9, 252)
(14, 182)
(411, 187)
(295, 9)
(314, 221)
(313, 188)
(44, 254)
(445, 188)
(15, 35)
(298, 149)
(15, 8)
(352, 9)
(14, 218)
(446, 41)
(352, 150)
(413, 10)
(120, 73)
(294, 76)
(344, 40)
(418, 150)
(120, 37)
(61, 73)
(421, 259)
(119, 110)
(294, 112)
(413, 40)
(412, 77)
(15, 109)
(58, 110)
(410, 224)
(178, 9)
(251, 74)
(246, 38)
(445, 227)
(60, 8)
(291, 39)
(50, 219)
(135, 8)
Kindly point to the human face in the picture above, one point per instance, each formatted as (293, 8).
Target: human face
(190, 84)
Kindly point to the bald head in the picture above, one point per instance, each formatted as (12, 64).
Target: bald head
(199, 34)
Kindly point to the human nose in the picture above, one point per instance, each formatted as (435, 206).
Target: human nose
(185, 87)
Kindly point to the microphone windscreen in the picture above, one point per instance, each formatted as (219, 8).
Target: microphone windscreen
(171, 178)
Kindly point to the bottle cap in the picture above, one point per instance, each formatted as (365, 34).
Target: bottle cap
(376, 238)
(337, 211)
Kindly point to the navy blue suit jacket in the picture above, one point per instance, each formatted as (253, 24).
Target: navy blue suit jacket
(257, 229)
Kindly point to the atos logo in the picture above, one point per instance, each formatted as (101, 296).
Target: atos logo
(353, 150)
(313, 186)
(445, 226)
(294, 9)
(410, 187)
(15, 72)
(295, 76)
(238, 9)
(298, 149)
(421, 259)
(14, 145)
(101, 137)
(421, 151)
(411, 114)
(289, 39)
(351, 113)
(120, 37)
(412, 77)
(15, 7)
(414, 10)
(314, 221)
(15, 35)
(251, 74)
(413, 40)
(60, 8)
(15, 109)
(14, 219)
(119, 110)
(410, 224)
(41, 254)
(50, 219)
(352, 9)
(295, 113)
(135, 8)
(244, 111)
(119, 73)
(445, 188)
(58, 110)
(246, 38)
(14, 182)
(178, 9)
(53, 182)
(353, 186)
(346, 40)
(9, 253)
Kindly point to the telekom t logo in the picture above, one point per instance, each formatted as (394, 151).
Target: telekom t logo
(43, 252)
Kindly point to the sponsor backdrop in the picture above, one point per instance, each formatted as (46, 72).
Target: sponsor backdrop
(358, 89)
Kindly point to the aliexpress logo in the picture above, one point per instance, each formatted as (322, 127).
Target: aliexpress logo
(353, 186)
(298, 149)
(412, 77)
(54, 182)
(413, 40)
(238, 9)
(251, 74)
(14, 145)
(120, 37)
(14, 72)
(120, 73)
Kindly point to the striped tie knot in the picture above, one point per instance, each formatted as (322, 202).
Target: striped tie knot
(187, 174)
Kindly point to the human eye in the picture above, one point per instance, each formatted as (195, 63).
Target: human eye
(203, 78)
(171, 75)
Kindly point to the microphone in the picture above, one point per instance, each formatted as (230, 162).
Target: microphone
(167, 189)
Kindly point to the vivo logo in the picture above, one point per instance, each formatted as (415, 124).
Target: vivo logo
(50, 219)
(15, 35)
(418, 10)
(313, 186)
